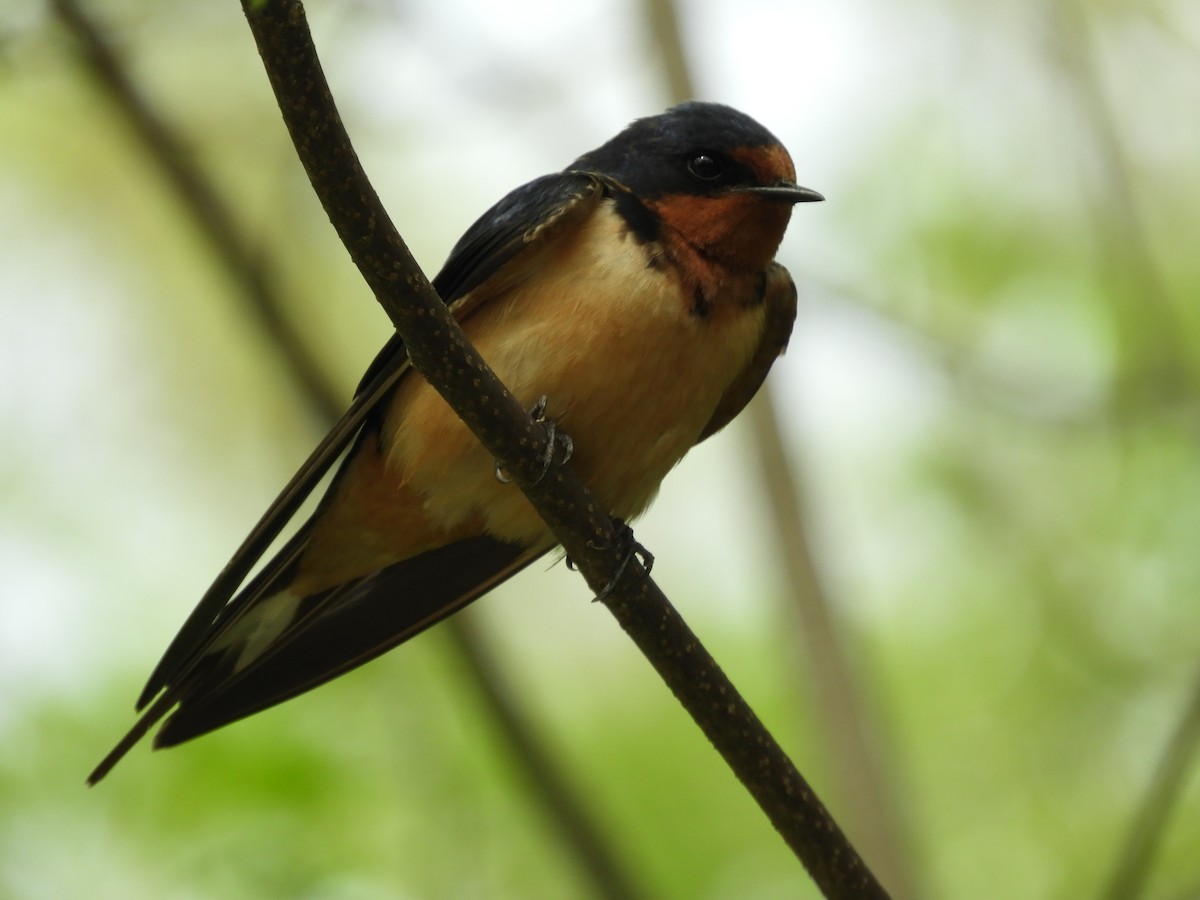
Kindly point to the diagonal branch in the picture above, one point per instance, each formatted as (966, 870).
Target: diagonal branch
(440, 351)
(204, 205)
(573, 821)
(1132, 870)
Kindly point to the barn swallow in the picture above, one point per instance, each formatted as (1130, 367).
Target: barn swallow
(635, 290)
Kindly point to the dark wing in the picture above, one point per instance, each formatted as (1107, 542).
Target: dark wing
(358, 614)
(197, 627)
(777, 293)
(524, 216)
(348, 626)
(518, 220)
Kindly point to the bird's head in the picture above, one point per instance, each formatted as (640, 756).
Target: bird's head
(712, 175)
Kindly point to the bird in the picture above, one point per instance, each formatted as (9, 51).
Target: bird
(633, 298)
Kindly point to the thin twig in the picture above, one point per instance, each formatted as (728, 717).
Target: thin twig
(216, 224)
(1149, 825)
(440, 351)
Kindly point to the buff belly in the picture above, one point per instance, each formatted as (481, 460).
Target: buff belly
(631, 373)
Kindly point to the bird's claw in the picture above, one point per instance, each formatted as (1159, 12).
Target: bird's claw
(558, 443)
(629, 548)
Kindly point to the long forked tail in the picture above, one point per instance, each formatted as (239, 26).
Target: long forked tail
(312, 640)
(145, 722)
(341, 629)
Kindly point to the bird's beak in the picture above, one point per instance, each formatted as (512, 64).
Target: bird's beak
(785, 191)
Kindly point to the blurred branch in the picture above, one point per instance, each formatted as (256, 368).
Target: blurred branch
(540, 768)
(667, 37)
(1155, 371)
(440, 351)
(843, 716)
(1129, 878)
(217, 227)
(1156, 361)
(1154, 357)
(846, 722)
(204, 205)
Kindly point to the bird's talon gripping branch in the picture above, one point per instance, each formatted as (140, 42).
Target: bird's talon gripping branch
(557, 442)
(630, 550)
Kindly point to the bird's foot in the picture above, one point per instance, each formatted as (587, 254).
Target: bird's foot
(559, 446)
(629, 548)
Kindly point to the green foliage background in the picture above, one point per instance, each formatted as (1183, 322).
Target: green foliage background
(991, 401)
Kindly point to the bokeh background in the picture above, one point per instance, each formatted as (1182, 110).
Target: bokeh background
(966, 604)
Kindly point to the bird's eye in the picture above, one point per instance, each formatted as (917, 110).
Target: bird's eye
(705, 167)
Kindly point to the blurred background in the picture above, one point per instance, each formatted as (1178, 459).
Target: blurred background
(956, 572)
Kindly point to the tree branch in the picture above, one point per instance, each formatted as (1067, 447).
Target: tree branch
(439, 350)
(1153, 356)
(1132, 870)
(203, 203)
(574, 824)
